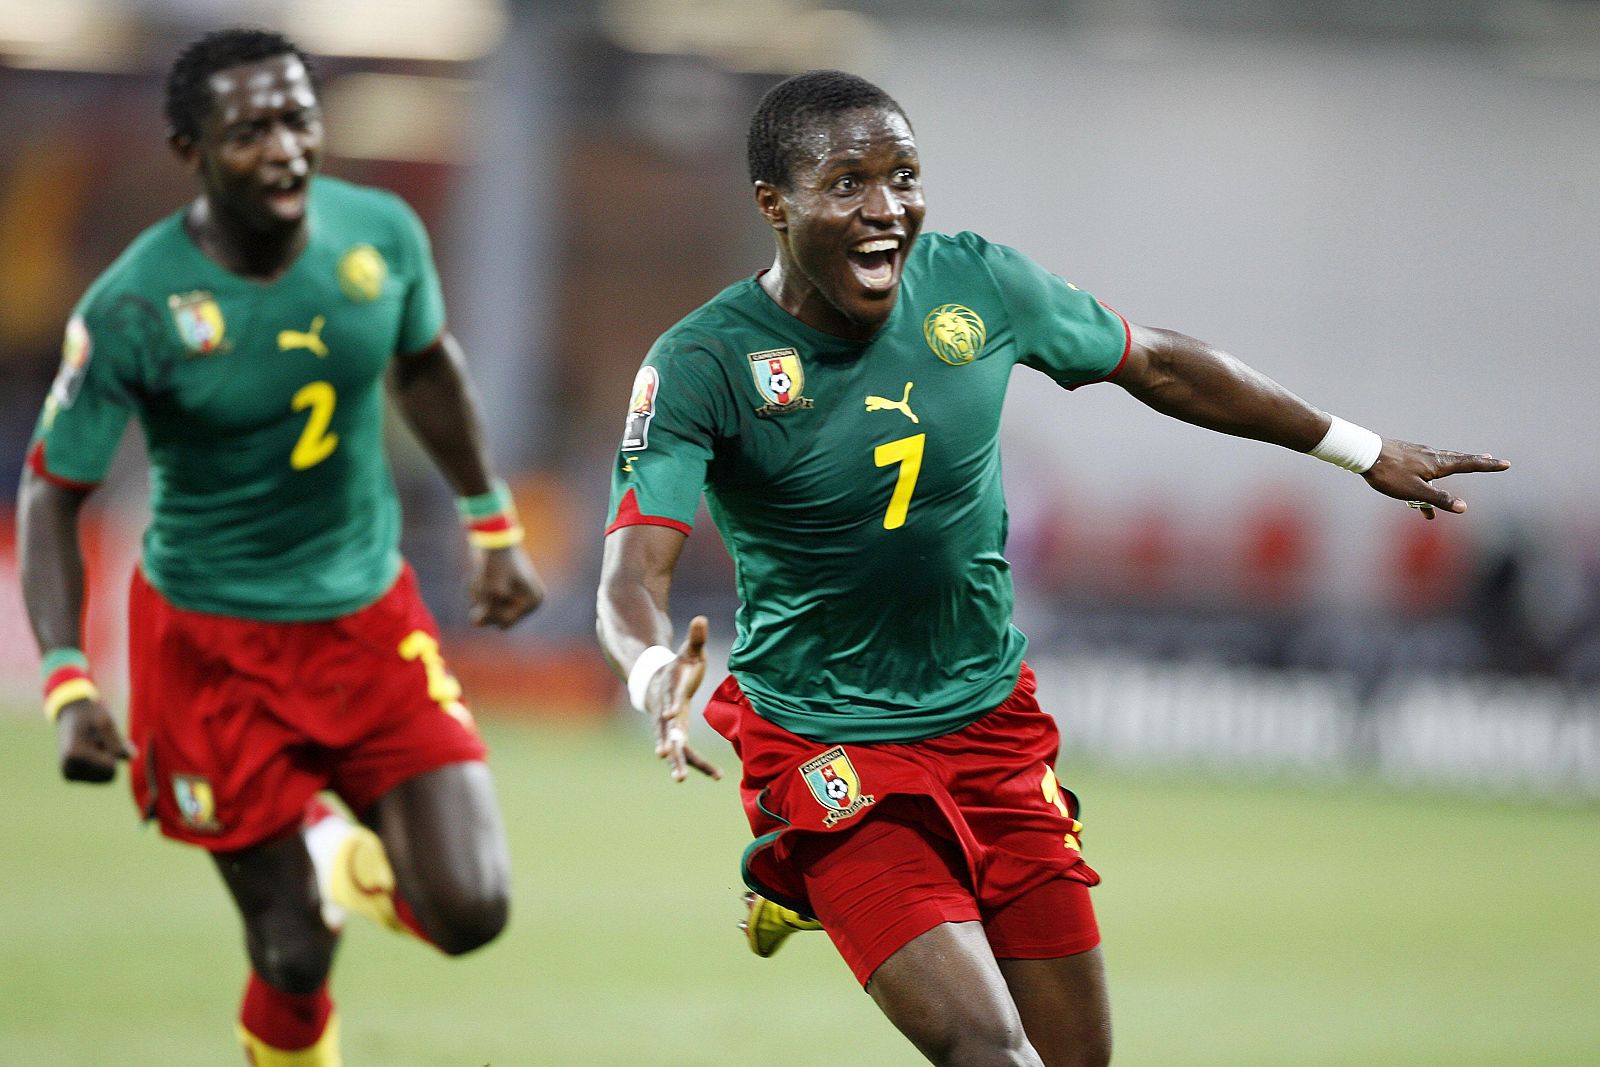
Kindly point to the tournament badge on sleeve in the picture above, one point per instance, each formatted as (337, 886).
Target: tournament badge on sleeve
(641, 409)
(835, 784)
(781, 379)
(199, 321)
(75, 351)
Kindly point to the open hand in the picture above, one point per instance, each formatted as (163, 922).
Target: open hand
(1407, 472)
(88, 743)
(668, 698)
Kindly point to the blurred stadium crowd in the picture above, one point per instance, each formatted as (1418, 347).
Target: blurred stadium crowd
(580, 167)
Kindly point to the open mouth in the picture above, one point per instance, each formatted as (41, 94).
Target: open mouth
(873, 262)
(287, 195)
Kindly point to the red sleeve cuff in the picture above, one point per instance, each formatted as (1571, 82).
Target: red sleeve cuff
(628, 514)
(36, 464)
(1127, 345)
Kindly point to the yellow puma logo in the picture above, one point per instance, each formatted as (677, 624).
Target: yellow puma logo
(308, 339)
(903, 405)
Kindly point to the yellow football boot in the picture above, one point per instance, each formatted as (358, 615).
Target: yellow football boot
(767, 925)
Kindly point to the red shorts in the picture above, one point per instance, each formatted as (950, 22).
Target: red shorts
(884, 841)
(239, 722)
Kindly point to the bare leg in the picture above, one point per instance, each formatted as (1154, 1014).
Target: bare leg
(445, 842)
(946, 993)
(275, 889)
(1064, 1006)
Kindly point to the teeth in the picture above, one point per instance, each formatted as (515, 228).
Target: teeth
(883, 244)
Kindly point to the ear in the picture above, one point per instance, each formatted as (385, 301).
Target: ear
(772, 205)
(186, 150)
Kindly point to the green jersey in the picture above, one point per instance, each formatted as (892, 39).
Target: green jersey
(261, 404)
(857, 484)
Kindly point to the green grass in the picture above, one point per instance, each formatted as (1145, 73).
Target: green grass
(1245, 924)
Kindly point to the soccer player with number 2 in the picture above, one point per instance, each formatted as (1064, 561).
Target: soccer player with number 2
(841, 412)
(278, 644)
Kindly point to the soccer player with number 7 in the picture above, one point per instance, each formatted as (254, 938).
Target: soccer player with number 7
(278, 643)
(841, 412)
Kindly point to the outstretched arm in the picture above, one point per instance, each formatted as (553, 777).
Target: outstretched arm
(433, 394)
(87, 741)
(1189, 380)
(636, 634)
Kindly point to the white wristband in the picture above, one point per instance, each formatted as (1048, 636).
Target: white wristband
(645, 667)
(1355, 448)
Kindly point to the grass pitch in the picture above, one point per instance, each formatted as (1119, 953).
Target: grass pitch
(1266, 924)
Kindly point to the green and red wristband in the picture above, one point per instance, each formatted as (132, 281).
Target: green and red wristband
(491, 518)
(65, 673)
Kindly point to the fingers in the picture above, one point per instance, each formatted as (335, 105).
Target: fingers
(672, 745)
(701, 764)
(694, 643)
(1481, 463)
(90, 745)
(504, 606)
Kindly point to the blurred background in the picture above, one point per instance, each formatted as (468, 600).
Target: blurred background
(1391, 208)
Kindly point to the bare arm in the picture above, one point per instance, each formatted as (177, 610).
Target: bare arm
(1189, 380)
(631, 616)
(87, 741)
(434, 396)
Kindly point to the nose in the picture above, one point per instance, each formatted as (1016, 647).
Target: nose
(883, 204)
(284, 146)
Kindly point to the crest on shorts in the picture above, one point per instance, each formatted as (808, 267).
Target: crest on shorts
(955, 333)
(199, 321)
(836, 785)
(362, 273)
(781, 380)
(196, 803)
(641, 409)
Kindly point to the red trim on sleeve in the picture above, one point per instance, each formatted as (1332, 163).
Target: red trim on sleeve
(36, 464)
(628, 514)
(1127, 346)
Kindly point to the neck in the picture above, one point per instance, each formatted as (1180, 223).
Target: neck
(792, 291)
(252, 253)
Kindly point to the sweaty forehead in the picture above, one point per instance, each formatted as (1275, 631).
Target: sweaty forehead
(270, 84)
(855, 134)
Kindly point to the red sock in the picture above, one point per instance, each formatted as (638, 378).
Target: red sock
(285, 1021)
(403, 912)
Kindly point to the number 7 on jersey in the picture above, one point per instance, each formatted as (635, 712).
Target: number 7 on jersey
(908, 453)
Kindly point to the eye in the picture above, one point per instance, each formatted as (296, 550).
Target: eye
(243, 134)
(905, 176)
(846, 184)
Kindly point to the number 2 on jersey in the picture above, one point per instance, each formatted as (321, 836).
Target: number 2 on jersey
(908, 453)
(316, 443)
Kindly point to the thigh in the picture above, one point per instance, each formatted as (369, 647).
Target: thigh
(877, 886)
(444, 837)
(218, 766)
(944, 990)
(403, 714)
(1064, 1007)
(274, 886)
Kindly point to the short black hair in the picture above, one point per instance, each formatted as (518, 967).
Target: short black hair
(189, 81)
(792, 106)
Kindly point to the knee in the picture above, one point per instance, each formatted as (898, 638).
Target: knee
(291, 959)
(989, 1043)
(466, 919)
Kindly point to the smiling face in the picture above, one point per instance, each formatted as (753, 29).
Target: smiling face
(845, 220)
(260, 144)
